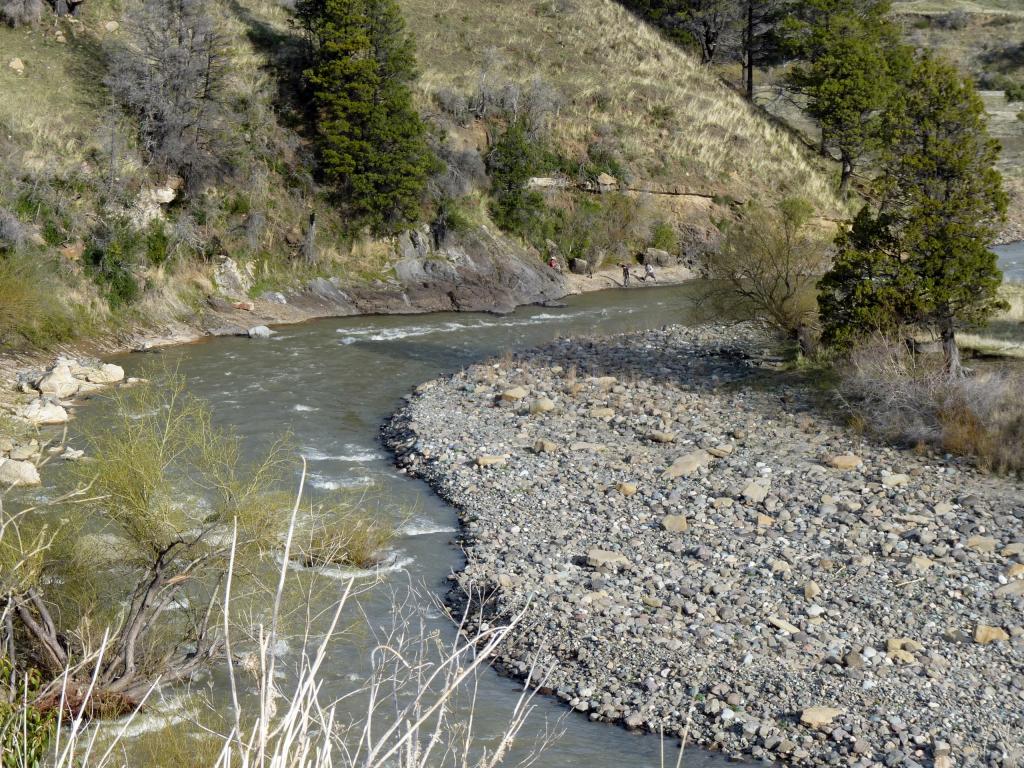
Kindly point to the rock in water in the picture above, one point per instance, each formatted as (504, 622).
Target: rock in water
(18, 473)
(105, 374)
(41, 413)
(259, 332)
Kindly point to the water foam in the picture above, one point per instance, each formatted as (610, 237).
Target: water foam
(420, 526)
(354, 455)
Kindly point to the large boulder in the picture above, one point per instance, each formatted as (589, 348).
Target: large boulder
(105, 374)
(42, 413)
(230, 280)
(59, 382)
(659, 258)
(18, 473)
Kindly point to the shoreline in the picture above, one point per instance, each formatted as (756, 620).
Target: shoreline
(762, 583)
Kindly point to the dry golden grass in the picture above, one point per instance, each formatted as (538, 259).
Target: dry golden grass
(674, 121)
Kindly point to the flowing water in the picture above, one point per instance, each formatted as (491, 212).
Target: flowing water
(331, 383)
(1011, 261)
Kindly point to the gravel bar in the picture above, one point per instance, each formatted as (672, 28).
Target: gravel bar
(693, 540)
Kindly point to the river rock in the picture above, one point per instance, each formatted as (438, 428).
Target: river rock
(59, 383)
(846, 461)
(105, 374)
(42, 413)
(819, 717)
(688, 464)
(895, 480)
(542, 405)
(984, 634)
(259, 332)
(755, 492)
(675, 523)
(514, 394)
(490, 461)
(18, 473)
(603, 559)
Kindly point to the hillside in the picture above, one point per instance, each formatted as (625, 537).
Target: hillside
(88, 220)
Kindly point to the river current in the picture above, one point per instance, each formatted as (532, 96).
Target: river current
(332, 383)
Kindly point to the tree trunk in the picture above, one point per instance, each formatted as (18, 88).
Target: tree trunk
(309, 246)
(950, 350)
(750, 50)
(845, 177)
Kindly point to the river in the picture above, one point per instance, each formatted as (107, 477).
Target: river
(1011, 261)
(332, 383)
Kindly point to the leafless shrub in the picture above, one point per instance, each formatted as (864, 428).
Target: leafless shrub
(908, 398)
(16, 13)
(454, 104)
(170, 76)
(464, 172)
(767, 268)
(955, 20)
(13, 233)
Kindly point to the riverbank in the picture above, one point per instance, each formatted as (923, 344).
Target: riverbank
(692, 540)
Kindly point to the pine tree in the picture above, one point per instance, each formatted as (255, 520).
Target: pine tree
(849, 51)
(941, 203)
(372, 144)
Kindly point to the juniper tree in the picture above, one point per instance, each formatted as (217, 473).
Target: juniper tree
(849, 53)
(372, 144)
(941, 201)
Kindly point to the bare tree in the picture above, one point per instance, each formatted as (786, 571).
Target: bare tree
(767, 268)
(170, 76)
(16, 13)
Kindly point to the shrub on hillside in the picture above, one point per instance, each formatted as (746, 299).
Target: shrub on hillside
(514, 159)
(16, 13)
(908, 398)
(171, 78)
(13, 232)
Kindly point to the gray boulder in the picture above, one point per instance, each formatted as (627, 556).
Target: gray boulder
(18, 473)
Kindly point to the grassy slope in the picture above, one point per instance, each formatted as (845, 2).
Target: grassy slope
(673, 120)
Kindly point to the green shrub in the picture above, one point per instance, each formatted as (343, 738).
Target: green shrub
(157, 244)
(515, 158)
(109, 258)
(664, 237)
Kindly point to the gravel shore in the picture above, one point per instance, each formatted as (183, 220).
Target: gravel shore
(692, 539)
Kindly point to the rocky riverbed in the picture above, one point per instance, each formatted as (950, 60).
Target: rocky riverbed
(696, 546)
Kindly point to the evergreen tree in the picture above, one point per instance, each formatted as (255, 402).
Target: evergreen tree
(941, 203)
(372, 144)
(849, 51)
